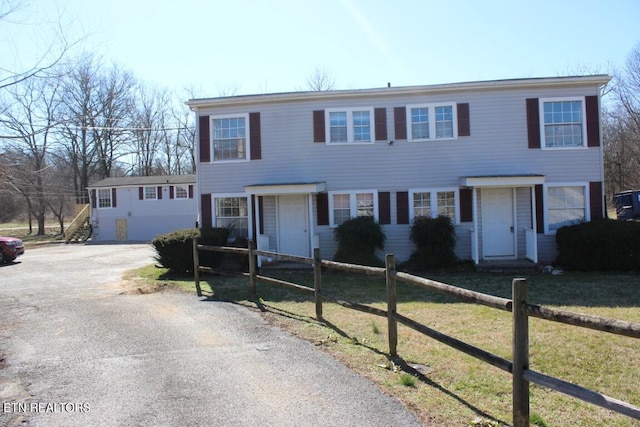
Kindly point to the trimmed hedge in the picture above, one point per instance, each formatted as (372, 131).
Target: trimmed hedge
(358, 238)
(435, 241)
(175, 250)
(603, 245)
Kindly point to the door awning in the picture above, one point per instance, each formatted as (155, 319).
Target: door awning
(502, 180)
(285, 188)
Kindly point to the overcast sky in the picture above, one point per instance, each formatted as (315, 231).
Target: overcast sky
(245, 46)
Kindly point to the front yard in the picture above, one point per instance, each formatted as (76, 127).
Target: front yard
(451, 388)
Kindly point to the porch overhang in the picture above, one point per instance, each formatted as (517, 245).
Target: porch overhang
(285, 188)
(528, 180)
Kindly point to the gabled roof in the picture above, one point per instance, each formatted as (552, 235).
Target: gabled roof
(128, 181)
(541, 82)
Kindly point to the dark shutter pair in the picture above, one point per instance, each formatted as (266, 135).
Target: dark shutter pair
(596, 204)
(400, 121)
(592, 119)
(466, 206)
(94, 198)
(172, 192)
(141, 193)
(255, 137)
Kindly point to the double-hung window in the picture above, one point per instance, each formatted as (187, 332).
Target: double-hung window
(151, 193)
(566, 205)
(104, 198)
(346, 205)
(435, 202)
(353, 125)
(233, 213)
(230, 137)
(563, 123)
(432, 121)
(181, 192)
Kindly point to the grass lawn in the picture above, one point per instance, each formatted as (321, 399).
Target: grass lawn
(443, 386)
(21, 231)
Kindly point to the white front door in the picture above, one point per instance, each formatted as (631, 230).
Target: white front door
(293, 234)
(498, 236)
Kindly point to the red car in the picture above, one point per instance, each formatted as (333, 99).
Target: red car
(10, 249)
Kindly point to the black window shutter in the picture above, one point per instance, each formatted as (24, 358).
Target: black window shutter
(171, 191)
(384, 207)
(464, 125)
(205, 207)
(539, 209)
(380, 118)
(141, 193)
(533, 122)
(596, 200)
(402, 207)
(318, 126)
(113, 198)
(94, 199)
(159, 193)
(466, 205)
(191, 191)
(400, 123)
(322, 208)
(593, 121)
(261, 209)
(255, 136)
(205, 143)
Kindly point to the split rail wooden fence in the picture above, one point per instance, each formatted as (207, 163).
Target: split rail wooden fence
(519, 307)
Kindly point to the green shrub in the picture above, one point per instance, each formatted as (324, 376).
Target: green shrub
(435, 242)
(175, 250)
(603, 245)
(358, 238)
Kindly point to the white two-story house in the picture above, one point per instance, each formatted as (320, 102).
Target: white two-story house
(509, 161)
(137, 208)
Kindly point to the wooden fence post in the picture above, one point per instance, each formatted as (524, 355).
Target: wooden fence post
(392, 299)
(196, 266)
(317, 282)
(252, 270)
(520, 354)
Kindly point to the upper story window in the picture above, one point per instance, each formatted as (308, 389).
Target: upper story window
(566, 205)
(181, 192)
(150, 193)
(432, 121)
(346, 205)
(435, 202)
(230, 137)
(104, 198)
(563, 123)
(349, 125)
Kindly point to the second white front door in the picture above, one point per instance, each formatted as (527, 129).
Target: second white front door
(293, 229)
(498, 235)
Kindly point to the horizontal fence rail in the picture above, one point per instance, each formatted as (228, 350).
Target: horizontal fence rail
(519, 307)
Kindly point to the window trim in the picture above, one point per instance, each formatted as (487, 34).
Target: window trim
(543, 138)
(247, 130)
(353, 208)
(183, 187)
(433, 191)
(110, 191)
(432, 121)
(350, 126)
(214, 217)
(144, 192)
(545, 195)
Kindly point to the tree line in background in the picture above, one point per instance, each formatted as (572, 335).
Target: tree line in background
(81, 121)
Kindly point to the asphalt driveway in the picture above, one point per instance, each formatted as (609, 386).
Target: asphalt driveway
(77, 351)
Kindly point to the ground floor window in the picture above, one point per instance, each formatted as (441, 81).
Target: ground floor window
(233, 213)
(182, 192)
(434, 202)
(150, 193)
(346, 205)
(566, 205)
